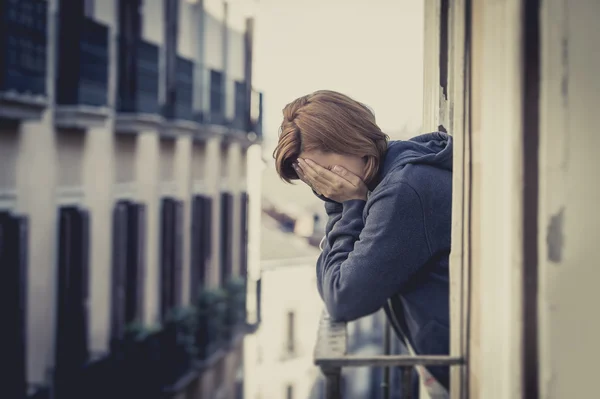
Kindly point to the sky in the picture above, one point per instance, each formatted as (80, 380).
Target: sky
(371, 50)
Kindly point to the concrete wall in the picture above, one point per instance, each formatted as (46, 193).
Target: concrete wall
(569, 225)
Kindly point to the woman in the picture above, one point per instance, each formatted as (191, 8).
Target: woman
(387, 239)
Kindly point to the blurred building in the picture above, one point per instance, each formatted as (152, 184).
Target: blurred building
(278, 356)
(126, 128)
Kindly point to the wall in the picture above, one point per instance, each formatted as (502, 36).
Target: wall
(268, 369)
(569, 225)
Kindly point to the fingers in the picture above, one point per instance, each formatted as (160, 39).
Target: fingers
(304, 178)
(346, 174)
(316, 172)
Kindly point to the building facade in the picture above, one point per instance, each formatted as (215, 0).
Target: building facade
(126, 128)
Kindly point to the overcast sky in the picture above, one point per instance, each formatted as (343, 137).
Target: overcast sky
(371, 50)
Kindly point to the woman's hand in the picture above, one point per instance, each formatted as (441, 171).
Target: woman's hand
(338, 184)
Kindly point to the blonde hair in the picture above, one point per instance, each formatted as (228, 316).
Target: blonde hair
(329, 122)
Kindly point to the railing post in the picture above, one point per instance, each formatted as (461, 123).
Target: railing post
(333, 382)
(387, 350)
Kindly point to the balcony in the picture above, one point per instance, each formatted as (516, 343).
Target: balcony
(181, 108)
(179, 105)
(82, 73)
(138, 78)
(23, 49)
(138, 83)
(331, 355)
(163, 361)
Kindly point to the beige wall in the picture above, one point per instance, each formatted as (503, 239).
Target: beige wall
(569, 225)
(489, 245)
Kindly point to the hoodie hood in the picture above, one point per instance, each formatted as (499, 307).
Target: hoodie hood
(433, 149)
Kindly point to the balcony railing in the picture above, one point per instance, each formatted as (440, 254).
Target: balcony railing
(138, 77)
(82, 73)
(157, 363)
(23, 51)
(331, 356)
(180, 106)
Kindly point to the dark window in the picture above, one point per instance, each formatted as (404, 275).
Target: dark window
(171, 254)
(290, 333)
(129, 227)
(217, 96)
(200, 243)
(13, 299)
(289, 392)
(244, 238)
(226, 236)
(73, 294)
(241, 108)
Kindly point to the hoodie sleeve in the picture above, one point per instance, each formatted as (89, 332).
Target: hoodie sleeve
(365, 263)
(334, 214)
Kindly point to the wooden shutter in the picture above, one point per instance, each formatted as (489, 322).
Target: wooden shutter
(141, 261)
(119, 266)
(73, 292)
(244, 235)
(135, 265)
(226, 236)
(197, 246)
(208, 223)
(13, 308)
(177, 271)
(166, 255)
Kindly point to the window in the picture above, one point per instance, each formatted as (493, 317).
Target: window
(244, 237)
(226, 236)
(171, 255)
(290, 333)
(217, 99)
(129, 227)
(241, 109)
(13, 287)
(289, 392)
(200, 237)
(73, 294)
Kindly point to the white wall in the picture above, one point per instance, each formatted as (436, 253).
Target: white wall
(153, 24)
(188, 31)
(236, 54)
(284, 288)
(569, 224)
(105, 11)
(213, 50)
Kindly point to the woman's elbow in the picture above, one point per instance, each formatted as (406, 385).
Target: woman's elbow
(341, 310)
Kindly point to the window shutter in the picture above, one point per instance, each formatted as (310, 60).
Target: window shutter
(208, 223)
(141, 261)
(13, 299)
(72, 313)
(177, 271)
(244, 238)
(119, 265)
(166, 256)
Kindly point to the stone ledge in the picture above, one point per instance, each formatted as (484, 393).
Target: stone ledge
(22, 106)
(80, 116)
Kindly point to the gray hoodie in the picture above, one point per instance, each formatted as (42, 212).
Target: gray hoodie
(395, 246)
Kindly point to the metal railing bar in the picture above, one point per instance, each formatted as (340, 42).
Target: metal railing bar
(387, 361)
(387, 350)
